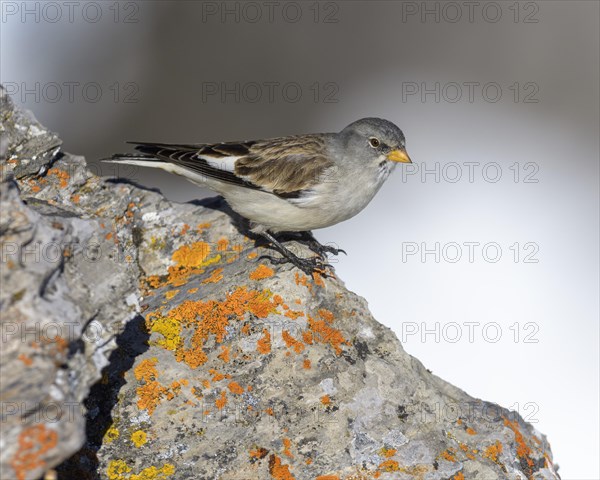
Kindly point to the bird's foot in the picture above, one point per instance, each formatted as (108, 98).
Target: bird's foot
(307, 238)
(323, 250)
(307, 265)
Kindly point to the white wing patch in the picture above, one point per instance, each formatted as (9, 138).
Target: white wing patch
(220, 163)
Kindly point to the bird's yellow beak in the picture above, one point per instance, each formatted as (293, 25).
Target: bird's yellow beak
(399, 155)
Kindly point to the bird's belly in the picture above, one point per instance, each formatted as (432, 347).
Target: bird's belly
(277, 214)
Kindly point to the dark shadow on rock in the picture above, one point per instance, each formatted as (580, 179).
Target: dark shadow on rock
(133, 183)
(241, 224)
(103, 396)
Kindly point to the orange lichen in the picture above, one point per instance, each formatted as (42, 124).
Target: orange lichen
(468, 452)
(258, 453)
(294, 314)
(326, 477)
(193, 290)
(269, 411)
(261, 272)
(225, 353)
(184, 229)
(235, 387)
(170, 294)
(523, 450)
(278, 470)
(323, 333)
(264, 344)
(470, 431)
(306, 364)
(389, 466)
(252, 255)
(307, 337)
(318, 279)
(215, 277)
(458, 476)
(27, 361)
(325, 400)
(216, 376)
(388, 452)
(303, 280)
(209, 318)
(222, 244)
(149, 394)
(326, 315)
(222, 400)
(61, 175)
(191, 255)
(75, 198)
(292, 342)
(493, 451)
(189, 259)
(448, 455)
(287, 444)
(33, 442)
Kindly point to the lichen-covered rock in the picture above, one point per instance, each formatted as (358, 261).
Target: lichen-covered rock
(233, 369)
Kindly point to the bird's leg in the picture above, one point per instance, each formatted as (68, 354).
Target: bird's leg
(307, 265)
(311, 242)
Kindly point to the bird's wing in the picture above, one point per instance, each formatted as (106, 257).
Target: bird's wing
(288, 167)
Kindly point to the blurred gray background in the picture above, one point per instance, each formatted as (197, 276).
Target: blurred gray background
(480, 89)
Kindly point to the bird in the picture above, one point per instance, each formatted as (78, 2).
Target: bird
(288, 185)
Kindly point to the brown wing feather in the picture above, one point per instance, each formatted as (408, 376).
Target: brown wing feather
(285, 165)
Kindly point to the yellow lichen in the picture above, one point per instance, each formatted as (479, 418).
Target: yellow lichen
(139, 438)
(111, 434)
(118, 470)
(170, 329)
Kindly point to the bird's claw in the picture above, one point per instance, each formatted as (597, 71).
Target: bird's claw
(307, 265)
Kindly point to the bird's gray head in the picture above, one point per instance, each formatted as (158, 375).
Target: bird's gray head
(376, 139)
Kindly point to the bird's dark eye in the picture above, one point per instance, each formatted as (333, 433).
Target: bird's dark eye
(374, 142)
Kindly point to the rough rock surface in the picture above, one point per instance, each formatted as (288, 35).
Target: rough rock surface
(223, 366)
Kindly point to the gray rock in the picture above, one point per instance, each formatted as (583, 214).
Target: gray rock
(214, 363)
